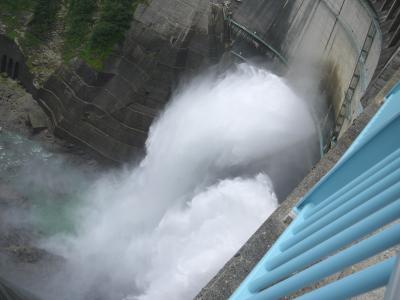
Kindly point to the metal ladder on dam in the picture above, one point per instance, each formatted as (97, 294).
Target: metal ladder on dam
(343, 240)
(345, 109)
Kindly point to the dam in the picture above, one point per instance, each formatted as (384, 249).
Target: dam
(164, 160)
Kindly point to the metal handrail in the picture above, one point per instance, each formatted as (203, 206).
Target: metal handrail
(258, 39)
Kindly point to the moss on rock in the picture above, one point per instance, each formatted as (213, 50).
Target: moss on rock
(90, 28)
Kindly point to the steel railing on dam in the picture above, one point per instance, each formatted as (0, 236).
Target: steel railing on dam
(347, 224)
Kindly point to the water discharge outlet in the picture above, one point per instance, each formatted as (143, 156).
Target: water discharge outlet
(216, 159)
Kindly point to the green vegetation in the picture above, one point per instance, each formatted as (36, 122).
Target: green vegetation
(92, 27)
(94, 40)
(115, 18)
(11, 15)
(44, 17)
(79, 22)
(16, 5)
(15, 15)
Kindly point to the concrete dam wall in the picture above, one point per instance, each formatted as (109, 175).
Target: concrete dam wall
(111, 111)
(343, 37)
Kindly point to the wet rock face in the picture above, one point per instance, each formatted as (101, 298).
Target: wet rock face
(111, 111)
(15, 106)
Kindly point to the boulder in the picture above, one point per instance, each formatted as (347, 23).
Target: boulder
(37, 119)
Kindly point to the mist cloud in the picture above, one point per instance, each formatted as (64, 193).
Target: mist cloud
(162, 229)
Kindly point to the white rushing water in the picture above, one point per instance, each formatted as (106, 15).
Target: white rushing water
(163, 229)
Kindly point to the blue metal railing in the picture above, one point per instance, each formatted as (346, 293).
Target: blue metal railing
(348, 217)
